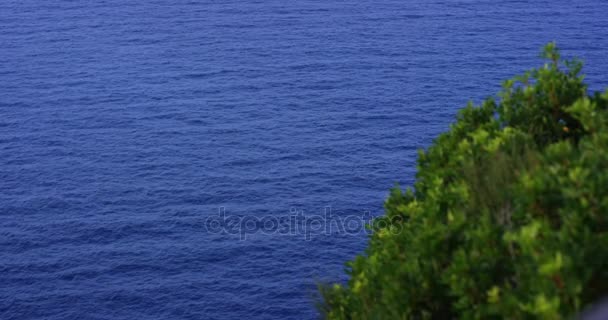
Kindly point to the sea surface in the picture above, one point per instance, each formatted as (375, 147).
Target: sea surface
(126, 125)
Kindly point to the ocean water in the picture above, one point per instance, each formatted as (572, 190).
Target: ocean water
(125, 125)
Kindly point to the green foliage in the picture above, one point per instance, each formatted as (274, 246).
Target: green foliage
(508, 217)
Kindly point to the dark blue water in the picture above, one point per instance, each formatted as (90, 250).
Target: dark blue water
(124, 124)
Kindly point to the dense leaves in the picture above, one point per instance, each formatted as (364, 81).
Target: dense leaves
(508, 217)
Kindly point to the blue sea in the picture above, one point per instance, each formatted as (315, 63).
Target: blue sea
(126, 125)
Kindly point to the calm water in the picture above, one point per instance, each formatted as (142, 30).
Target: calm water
(124, 125)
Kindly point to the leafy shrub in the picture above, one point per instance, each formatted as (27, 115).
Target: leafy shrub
(508, 217)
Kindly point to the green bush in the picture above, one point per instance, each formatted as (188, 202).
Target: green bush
(508, 217)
